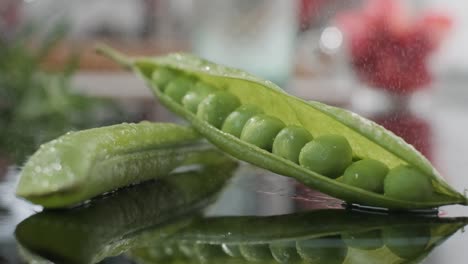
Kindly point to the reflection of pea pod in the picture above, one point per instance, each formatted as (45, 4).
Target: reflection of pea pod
(323, 236)
(329, 250)
(309, 141)
(80, 165)
(110, 225)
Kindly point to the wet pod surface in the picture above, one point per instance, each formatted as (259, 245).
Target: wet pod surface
(366, 139)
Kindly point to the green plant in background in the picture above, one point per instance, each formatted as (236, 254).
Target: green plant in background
(36, 105)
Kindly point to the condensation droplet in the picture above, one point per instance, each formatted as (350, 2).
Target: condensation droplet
(57, 166)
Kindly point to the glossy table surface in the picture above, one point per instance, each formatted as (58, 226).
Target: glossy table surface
(256, 217)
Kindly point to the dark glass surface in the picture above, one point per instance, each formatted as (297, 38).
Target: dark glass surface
(256, 217)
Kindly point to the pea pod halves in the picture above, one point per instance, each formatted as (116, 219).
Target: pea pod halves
(80, 165)
(207, 94)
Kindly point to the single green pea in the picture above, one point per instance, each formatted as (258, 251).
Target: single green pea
(255, 253)
(367, 174)
(407, 242)
(235, 122)
(177, 88)
(368, 240)
(285, 252)
(162, 76)
(406, 183)
(216, 107)
(327, 250)
(289, 142)
(328, 155)
(261, 131)
(193, 98)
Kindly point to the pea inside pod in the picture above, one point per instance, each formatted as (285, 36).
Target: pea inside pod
(367, 174)
(328, 155)
(235, 121)
(404, 182)
(216, 107)
(261, 130)
(289, 142)
(366, 139)
(177, 88)
(193, 98)
(162, 77)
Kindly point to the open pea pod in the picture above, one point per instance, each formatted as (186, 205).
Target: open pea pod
(80, 165)
(126, 218)
(321, 236)
(208, 95)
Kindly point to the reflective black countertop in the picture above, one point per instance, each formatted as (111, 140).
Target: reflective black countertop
(253, 216)
(257, 216)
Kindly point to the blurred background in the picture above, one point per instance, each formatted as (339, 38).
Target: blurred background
(400, 63)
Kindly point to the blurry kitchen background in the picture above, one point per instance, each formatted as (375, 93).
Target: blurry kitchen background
(401, 63)
(302, 45)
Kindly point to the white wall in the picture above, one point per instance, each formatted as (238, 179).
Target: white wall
(453, 55)
(124, 16)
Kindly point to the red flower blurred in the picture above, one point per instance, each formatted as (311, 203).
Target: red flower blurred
(9, 15)
(308, 10)
(387, 48)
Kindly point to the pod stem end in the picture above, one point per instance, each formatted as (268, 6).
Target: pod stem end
(114, 55)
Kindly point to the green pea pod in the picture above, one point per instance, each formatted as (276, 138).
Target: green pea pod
(125, 219)
(367, 139)
(347, 237)
(80, 165)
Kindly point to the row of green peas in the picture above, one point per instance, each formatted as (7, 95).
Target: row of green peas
(329, 155)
